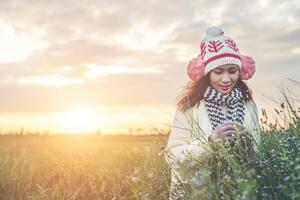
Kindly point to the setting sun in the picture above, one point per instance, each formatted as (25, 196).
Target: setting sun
(77, 121)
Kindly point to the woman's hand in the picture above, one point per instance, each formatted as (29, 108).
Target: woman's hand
(224, 131)
(243, 132)
(246, 142)
(229, 130)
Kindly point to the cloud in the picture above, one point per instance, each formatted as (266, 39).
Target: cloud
(95, 71)
(113, 89)
(17, 46)
(55, 80)
(138, 50)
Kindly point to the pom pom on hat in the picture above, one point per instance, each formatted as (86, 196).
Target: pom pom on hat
(214, 31)
(195, 69)
(248, 67)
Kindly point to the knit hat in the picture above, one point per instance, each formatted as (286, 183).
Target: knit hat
(216, 50)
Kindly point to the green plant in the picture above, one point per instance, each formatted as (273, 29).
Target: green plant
(229, 170)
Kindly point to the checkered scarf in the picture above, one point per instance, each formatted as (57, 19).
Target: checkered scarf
(214, 101)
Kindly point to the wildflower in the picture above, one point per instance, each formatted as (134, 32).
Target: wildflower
(162, 151)
(150, 174)
(147, 149)
(258, 176)
(136, 171)
(135, 179)
(196, 182)
(243, 197)
(145, 197)
(286, 178)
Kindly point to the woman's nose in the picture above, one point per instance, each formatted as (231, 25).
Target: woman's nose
(225, 78)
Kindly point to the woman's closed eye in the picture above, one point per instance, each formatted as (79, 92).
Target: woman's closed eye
(218, 71)
(232, 70)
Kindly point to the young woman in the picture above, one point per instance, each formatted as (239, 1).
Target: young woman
(217, 100)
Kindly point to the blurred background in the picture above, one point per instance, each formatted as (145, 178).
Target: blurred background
(116, 67)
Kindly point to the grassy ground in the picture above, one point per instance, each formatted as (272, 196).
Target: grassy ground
(83, 167)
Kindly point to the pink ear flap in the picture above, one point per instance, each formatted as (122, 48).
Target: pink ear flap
(195, 69)
(248, 67)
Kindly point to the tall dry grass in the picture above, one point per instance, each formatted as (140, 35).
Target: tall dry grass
(83, 167)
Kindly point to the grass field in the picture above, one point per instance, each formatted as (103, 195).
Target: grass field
(87, 167)
(83, 167)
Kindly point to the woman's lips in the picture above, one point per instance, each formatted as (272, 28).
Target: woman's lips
(224, 87)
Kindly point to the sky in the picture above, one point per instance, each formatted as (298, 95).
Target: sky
(82, 66)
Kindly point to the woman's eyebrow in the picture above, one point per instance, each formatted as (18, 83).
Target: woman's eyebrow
(218, 69)
(232, 68)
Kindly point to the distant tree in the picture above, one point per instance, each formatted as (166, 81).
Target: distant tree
(22, 132)
(139, 131)
(98, 132)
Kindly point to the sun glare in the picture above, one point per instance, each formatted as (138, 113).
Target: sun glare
(78, 121)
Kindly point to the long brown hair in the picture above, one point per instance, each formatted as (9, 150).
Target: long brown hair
(193, 92)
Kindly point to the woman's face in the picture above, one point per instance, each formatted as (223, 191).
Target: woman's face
(224, 78)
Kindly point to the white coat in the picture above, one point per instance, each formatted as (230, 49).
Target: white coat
(183, 142)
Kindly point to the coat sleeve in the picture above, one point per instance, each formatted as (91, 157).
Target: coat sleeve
(253, 124)
(181, 145)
